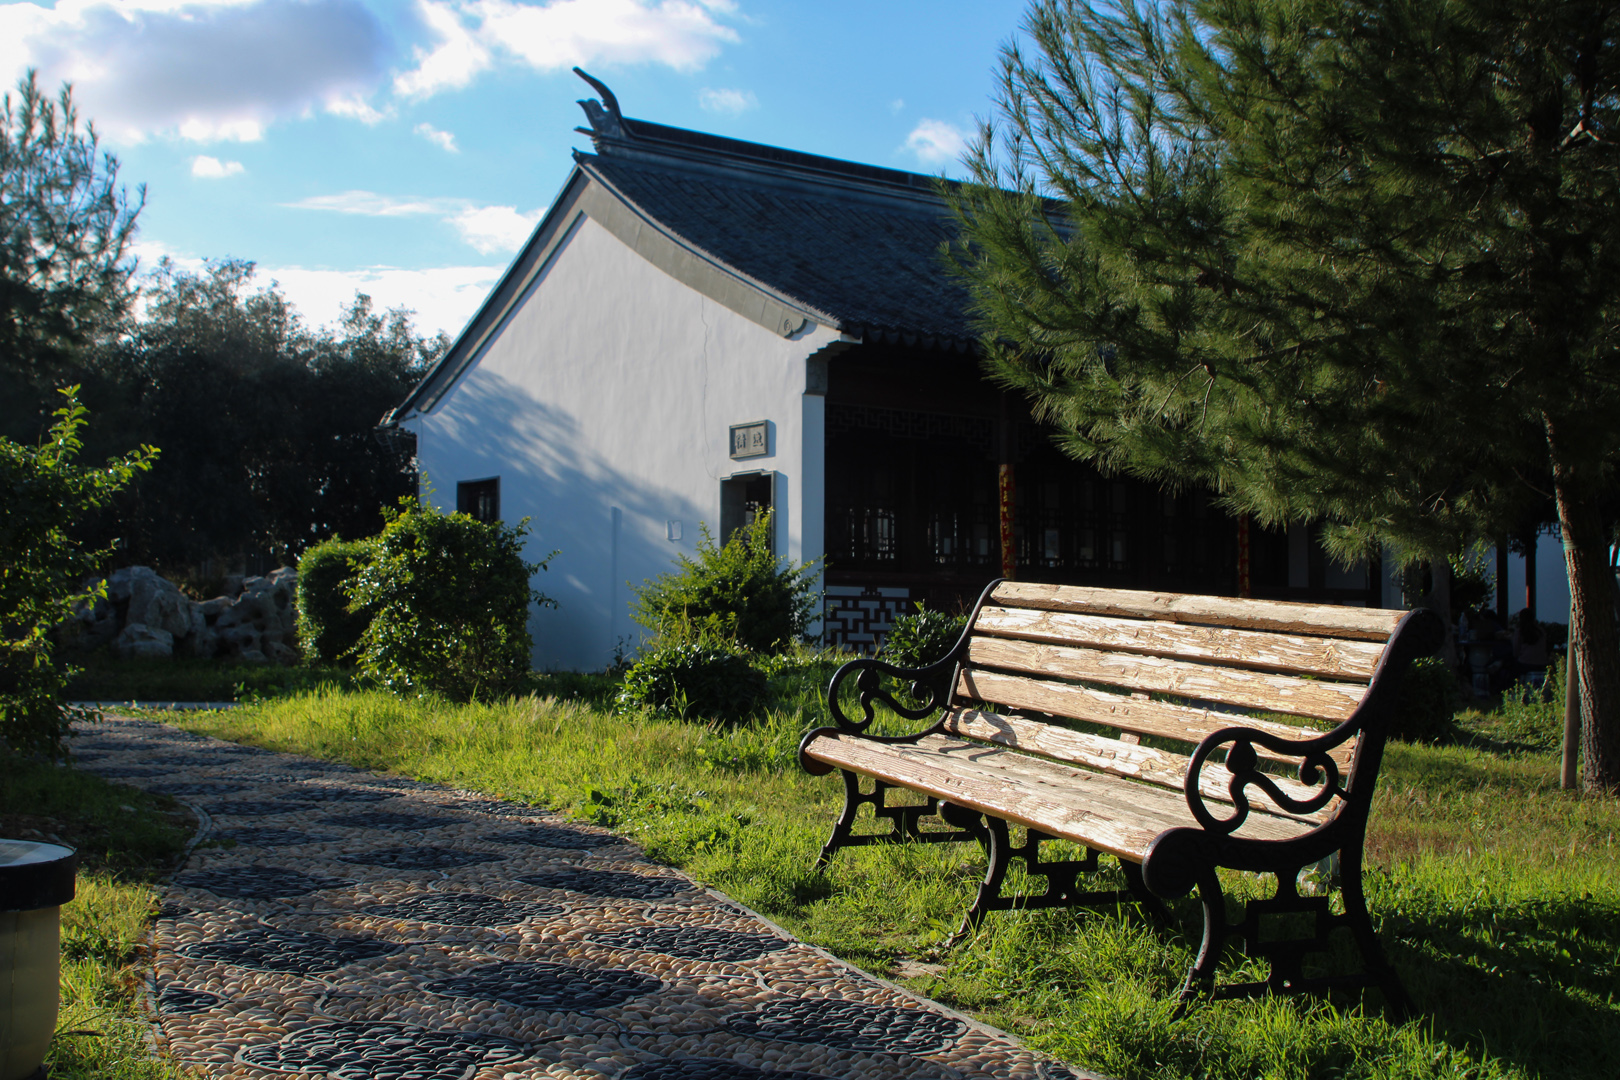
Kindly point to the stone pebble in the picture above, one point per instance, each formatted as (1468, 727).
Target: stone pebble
(347, 924)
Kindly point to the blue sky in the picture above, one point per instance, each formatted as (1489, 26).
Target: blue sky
(406, 148)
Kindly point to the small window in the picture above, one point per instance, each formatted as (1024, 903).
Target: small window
(480, 499)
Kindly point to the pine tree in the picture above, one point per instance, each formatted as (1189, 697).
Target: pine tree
(65, 230)
(1355, 263)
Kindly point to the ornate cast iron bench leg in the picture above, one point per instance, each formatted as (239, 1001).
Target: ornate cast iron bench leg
(906, 821)
(1201, 976)
(1372, 953)
(1285, 956)
(1062, 880)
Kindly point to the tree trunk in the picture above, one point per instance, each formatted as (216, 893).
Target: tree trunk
(1594, 643)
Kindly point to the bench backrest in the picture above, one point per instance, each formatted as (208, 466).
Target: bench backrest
(1162, 665)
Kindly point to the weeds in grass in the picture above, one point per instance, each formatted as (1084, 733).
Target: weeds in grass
(1497, 894)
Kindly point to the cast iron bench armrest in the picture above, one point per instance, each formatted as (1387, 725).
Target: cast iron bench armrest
(1419, 633)
(930, 685)
(1317, 769)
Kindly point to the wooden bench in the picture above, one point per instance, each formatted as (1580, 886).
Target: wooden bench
(1124, 722)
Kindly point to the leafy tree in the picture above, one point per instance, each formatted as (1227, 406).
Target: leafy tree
(1351, 263)
(739, 591)
(268, 428)
(65, 229)
(43, 570)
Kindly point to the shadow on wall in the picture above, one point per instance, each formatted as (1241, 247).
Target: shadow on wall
(607, 526)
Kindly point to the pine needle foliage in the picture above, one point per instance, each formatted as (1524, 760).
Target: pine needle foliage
(1351, 263)
(65, 230)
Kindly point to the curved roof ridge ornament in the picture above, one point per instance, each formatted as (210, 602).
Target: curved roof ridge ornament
(607, 121)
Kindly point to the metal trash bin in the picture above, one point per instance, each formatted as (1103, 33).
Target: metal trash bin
(36, 879)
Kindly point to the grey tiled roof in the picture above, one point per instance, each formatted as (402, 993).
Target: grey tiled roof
(857, 243)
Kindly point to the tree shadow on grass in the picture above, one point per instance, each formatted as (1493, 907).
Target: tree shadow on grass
(1535, 984)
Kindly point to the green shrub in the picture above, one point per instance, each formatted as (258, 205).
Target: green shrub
(1536, 716)
(328, 629)
(706, 679)
(447, 598)
(740, 591)
(1428, 699)
(43, 495)
(921, 638)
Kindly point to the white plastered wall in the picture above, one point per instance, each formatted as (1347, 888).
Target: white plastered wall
(604, 405)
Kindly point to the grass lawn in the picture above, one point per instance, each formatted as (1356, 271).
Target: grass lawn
(126, 840)
(1497, 895)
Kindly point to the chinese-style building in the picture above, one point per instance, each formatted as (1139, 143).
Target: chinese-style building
(700, 327)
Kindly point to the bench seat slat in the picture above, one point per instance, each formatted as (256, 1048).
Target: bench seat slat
(1111, 756)
(1367, 624)
(1250, 689)
(1142, 716)
(1293, 653)
(1104, 812)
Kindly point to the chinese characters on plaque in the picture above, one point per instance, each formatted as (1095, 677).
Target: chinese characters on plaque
(751, 440)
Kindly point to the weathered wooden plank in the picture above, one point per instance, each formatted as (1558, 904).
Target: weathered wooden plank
(1140, 715)
(1368, 624)
(1112, 756)
(1331, 657)
(1232, 686)
(1095, 809)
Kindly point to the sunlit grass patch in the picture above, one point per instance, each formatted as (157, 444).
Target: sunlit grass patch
(1496, 894)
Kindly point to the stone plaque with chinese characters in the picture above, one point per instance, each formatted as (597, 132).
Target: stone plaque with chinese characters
(751, 440)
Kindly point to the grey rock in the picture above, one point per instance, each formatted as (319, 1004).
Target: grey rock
(137, 640)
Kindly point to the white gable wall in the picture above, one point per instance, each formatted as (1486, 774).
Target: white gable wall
(604, 406)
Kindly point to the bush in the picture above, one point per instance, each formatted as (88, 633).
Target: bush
(740, 592)
(43, 494)
(328, 629)
(447, 602)
(1428, 699)
(919, 639)
(1536, 716)
(705, 679)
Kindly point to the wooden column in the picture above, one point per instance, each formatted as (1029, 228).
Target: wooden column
(1501, 580)
(1006, 500)
(1530, 574)
(1244, 589)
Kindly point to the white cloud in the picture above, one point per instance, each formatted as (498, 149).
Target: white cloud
(211, 168)
(487, 229)
(443, 297)
(495, 228)
(473, 36)
(371, 204)
(897, 104)
(936, 142)
(442, 139)
(358, 108)
(451, 63)
(733, 102)
(206, 70)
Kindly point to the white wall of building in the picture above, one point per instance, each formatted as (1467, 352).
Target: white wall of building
(604, 405)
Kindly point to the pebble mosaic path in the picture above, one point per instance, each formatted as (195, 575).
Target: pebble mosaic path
(333, 922)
